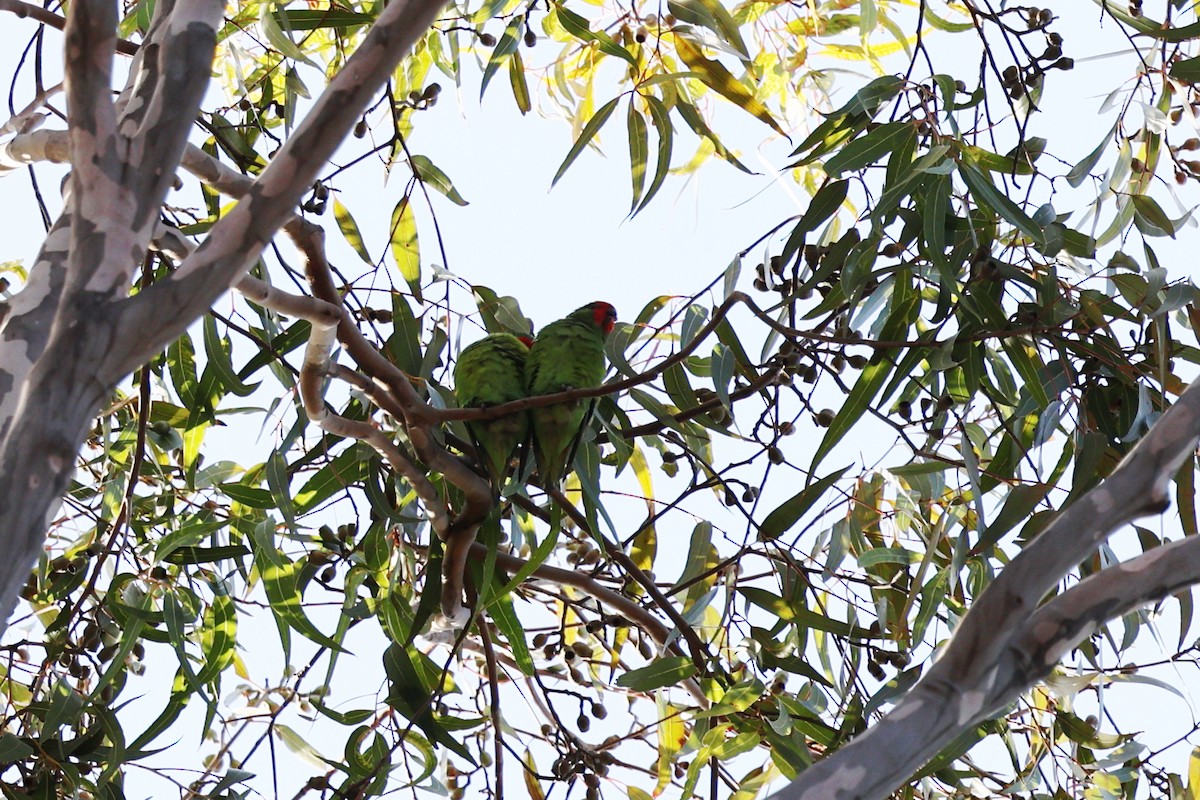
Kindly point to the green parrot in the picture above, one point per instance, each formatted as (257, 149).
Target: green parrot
(488, 373)
(567, 354)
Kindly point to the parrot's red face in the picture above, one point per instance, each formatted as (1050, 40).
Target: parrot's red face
(526, 340)
(604, 315)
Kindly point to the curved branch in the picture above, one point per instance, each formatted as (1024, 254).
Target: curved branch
(700, 655)
(616, 602)
(20, 9)
(236, 240)
(317, 365)
(1005, 633)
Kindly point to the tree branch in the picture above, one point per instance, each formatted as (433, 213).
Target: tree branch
(171, 74)
(1005, 637)
(40, 14)
(616, 602)
(236, 240)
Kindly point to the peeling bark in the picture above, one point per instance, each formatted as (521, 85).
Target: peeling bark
(74, 331)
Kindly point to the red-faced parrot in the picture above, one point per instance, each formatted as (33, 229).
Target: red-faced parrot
(567, 354)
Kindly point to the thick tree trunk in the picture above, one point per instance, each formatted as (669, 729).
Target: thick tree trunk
(74, 331)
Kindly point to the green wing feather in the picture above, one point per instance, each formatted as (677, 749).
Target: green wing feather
(490, 372)
(568, 354)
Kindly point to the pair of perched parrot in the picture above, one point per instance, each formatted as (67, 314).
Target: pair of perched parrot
(567, 354)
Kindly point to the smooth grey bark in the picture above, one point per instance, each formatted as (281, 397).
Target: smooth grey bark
(74, 331)
(1009, 639)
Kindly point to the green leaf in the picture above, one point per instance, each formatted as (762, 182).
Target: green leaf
(666, 671)
(176, 618)
(696, 122)
(848, 121)
(13, 749)
(866, 150)
(66, 705)
(1019, 164)
(504, 49)
(181, 361)
(714, 16)
(205, 555)
(1187, 70)
(403, 347)
(578, 27)
(825, 204)
(1150, 212)
(279, 577)
(412, 678)
(218, 359)
(789, 512)
(295, 336)
(350, 231)
(589, 131)
(1018, 506)
(405, 248)
(349, 468)
(509, 623)
(435, 179)
(904, 305)
(800, 615)
(984, 191)
(279, 40)
(326, 18)
(661, 118)
(638, 147)
(251, 496)
(937, 207)
(218, 638)
(281, 489)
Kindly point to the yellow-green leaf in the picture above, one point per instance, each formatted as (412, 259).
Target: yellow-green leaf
(516, 78)
(350, 231)
(589, 131)
(720, 80)
(404, 244)
(666, 671)
(435, 179)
